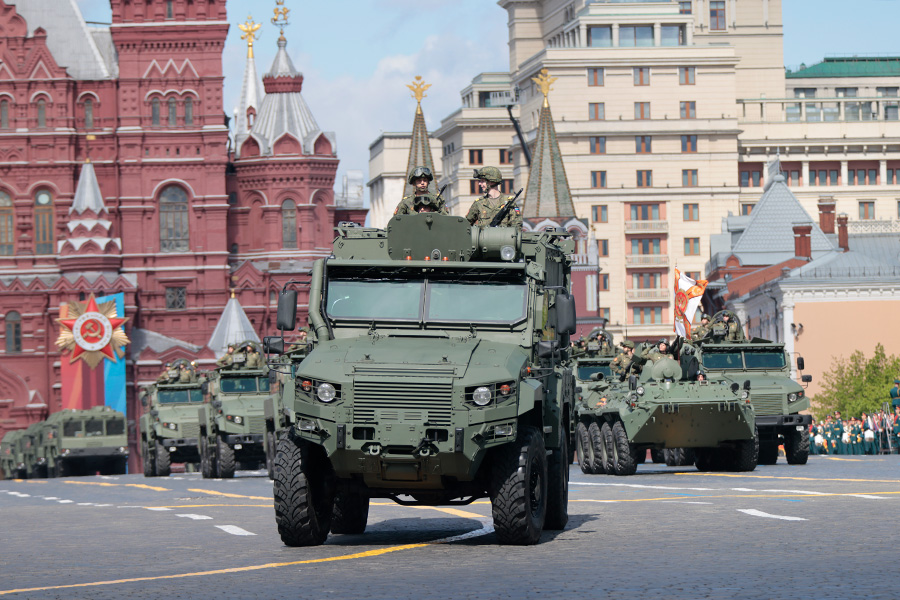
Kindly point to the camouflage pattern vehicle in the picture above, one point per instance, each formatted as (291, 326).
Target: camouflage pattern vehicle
(664, 407)
(232, 425)
(83, 442)
(12, 461)
(777, 399)
(170, 428)
(437, 378)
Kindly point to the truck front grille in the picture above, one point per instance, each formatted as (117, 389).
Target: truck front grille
(257, 424)
(375, 401)
(189, 430)
(767, 404)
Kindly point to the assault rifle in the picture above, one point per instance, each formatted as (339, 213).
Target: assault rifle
(498, 218)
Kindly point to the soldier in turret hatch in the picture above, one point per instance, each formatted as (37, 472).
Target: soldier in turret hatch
(254, 360)
(420, 178)
(226, 359)
(700, 331)
(735, 333)
(483, 210)
(164, 376)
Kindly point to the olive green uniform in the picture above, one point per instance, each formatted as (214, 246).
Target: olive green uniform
(699, 332)
(254, 360)
(407, 204)
(482, 212)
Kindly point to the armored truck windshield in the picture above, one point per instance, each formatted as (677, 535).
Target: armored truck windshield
(749, 359)
(243, 385)
(176, 396)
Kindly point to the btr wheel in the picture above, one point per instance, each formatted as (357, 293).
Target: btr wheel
(558, 488)
(624, 453)
(598, 449)
(609, 459)
(304, 492)
(657, 456)
(163, 461)
(224, 458)
(350, 513)
(519, 489)
(584, 449)
(796, 447)
(147, 460)
(745, 455)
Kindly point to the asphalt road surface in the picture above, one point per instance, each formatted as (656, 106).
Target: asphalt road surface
(829, 529)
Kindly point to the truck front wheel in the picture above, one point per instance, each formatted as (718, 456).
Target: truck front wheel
(224, 458)
(304, 493)
(207, 460)
(163, 461)
(796, 447)
(147, 460)
(558, 487)
(519, 489)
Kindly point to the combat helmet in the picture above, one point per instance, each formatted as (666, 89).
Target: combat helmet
(490, 174)
(419, 172)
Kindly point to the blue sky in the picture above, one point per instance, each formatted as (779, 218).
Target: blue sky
(357, 55)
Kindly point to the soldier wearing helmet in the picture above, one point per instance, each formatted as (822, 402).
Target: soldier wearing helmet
(700, 331)
(659, 351)
(483, 210)
(421, 200)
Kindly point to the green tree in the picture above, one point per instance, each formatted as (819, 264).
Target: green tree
(857, 384)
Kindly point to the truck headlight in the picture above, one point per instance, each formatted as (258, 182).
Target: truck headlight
(481, 396)
(236, 419)
(172, 426)
(325, 392)
(792, 397)
(745, 394)
(640, 390)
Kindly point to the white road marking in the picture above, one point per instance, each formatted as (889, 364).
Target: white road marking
(50, 498)
(234, 530)
(66, 501)
(486, 528)
(758, 513)
(20, 494)
(684, 502)
(85, 504)
(102, 505)
(867, 497)
(644, 487)
(194, 517)
(157, 508)
(130, 506)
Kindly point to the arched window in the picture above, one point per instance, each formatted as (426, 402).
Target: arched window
(4, 114)
(169, 11)
(7, 218)
(89, 114)
(154, 111)
(43, 222)
(173, 113)
(189, 111)
(41, 113)
(288, 224)
(13, 332)
(173, 220)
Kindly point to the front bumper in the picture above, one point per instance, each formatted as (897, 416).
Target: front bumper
(92, 452)
(690, 425)
(783, 420)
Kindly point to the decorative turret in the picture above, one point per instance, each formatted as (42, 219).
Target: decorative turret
(89, 245)
(245, 113)
(419, 144)
(233, 328)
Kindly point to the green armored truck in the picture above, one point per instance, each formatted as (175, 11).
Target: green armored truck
(277, 408)
(170, 428)
(12, 461)
(777, 399)
(437, 378)
(232, 425)
(83, 442)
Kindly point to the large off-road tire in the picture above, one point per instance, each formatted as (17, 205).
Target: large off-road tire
(519, 489)
(558, 488)
(674, 456)
(207, 459)
(598, 449)
(606, 435)
(270, 453)
(224, 458)
(624, 452)
(658, 456)
(584, 449)
(768, 452)
(796, 447)
(304, 492)
(163, 461)
(350, 513)
(147, 460)
(745, 455)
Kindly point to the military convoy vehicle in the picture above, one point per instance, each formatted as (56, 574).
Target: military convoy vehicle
(170, 428)
(665, 407)
(777, 399)
(12, 461)
(83, 442)
(437, 378)
(232, 425)
(277, 408)
(29, 447)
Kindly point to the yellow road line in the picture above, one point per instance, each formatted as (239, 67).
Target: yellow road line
(744, 475)
(366, 554)
(212, 506)
(823, 495)
(215, 493)
(452, 511)
(30, 480)
(143, 486)
(844, 459)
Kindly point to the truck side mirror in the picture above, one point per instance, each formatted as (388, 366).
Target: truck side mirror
(565, 313)
(274, 344)
(287, 310)
(800, 363)
(204, 388)
(806, 378)
(546, 348)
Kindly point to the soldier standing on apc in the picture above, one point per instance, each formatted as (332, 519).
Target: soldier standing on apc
(420, 178)
(483, 210)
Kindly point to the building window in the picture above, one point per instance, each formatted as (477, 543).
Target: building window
(7, 219)
(898, 209)
(41, 113)
(644, 179)
(792, 177)
(639, 36)
(595, 76)
(473, 187)
(672, 35)
(642, 76)
(173, 112)
(289, 224)
(599, 213)
(43, 222)
(596, 111)
(154, 112)
(13, 332)
(859, 177)
(599, 37)
(824, 176)
(695, 275)
(688, 144)
(173, 220)
(645, 212)
(692, 246)
(642, 144)
(604, 282)
(645, 246)
(598, 180)
(684, 7)
(717, 15)
(687, 75)
(866, 210)
(691, 212)
(647, 315)
(688, 110)
(746, 209)
(89, 114)
(646, 281)
(891, 178)
(603, 248)
(641, 110)
(604, 313)
(689, 178)
(752, 178)
(506, 186)
(4, 114)
(189, 111)
(598, 145)
(506, 157)
(476, 157)
(169, 9)
(176, 298)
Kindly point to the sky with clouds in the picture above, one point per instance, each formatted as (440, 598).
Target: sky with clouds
(358, 55)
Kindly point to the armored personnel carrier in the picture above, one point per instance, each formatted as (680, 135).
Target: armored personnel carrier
(437, 378)
(777, 399)
(170, 428)
(12, 462)
(83, 442)
(664, 407)
(232, 425)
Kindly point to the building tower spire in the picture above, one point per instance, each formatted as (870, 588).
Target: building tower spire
(246, 112)
(419, 143)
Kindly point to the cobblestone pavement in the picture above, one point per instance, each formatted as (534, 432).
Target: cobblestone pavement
(824, 530)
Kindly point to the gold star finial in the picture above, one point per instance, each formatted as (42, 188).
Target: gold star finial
(544, 81)
(249, 28)
(418, 88)
(280, 19)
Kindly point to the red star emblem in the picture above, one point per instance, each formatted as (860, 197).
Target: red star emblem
(93, 331)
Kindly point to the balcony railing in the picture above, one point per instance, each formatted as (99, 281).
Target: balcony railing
(646, 260)
(646, 226)
(648, 295)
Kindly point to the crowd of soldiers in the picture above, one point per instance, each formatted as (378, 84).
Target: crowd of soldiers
(178, 373)
(871, 433)
(250, 358)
